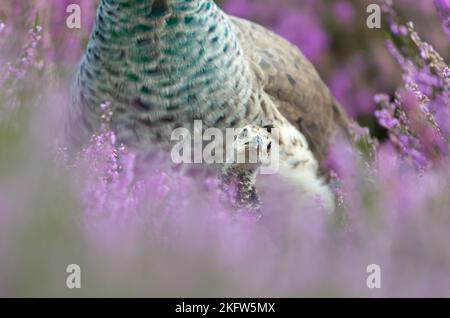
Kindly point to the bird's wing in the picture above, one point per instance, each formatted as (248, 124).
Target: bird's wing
(293, 84)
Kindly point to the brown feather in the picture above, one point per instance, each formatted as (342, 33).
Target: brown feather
(293, 84)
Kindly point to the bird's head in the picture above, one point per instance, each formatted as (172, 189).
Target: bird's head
(253, 145)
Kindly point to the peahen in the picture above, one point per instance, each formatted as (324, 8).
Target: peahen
(164, 63)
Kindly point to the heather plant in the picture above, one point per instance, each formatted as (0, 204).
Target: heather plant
(169, 232)
(416, 118)
(13, 72)
(347, 57)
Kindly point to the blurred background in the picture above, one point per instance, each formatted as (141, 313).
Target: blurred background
(159, 239)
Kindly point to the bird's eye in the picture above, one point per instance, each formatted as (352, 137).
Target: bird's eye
(269, 128)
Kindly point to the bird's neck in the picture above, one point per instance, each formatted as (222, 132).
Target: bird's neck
(172, 53)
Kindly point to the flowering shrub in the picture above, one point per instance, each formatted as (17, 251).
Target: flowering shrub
(346, 56)
(169, 234)
(417, 118)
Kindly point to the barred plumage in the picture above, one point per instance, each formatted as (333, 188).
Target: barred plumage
(165, 63)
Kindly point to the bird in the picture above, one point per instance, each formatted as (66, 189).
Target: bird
(162, 64)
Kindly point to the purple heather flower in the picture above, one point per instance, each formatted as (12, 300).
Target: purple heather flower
(385, 119)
